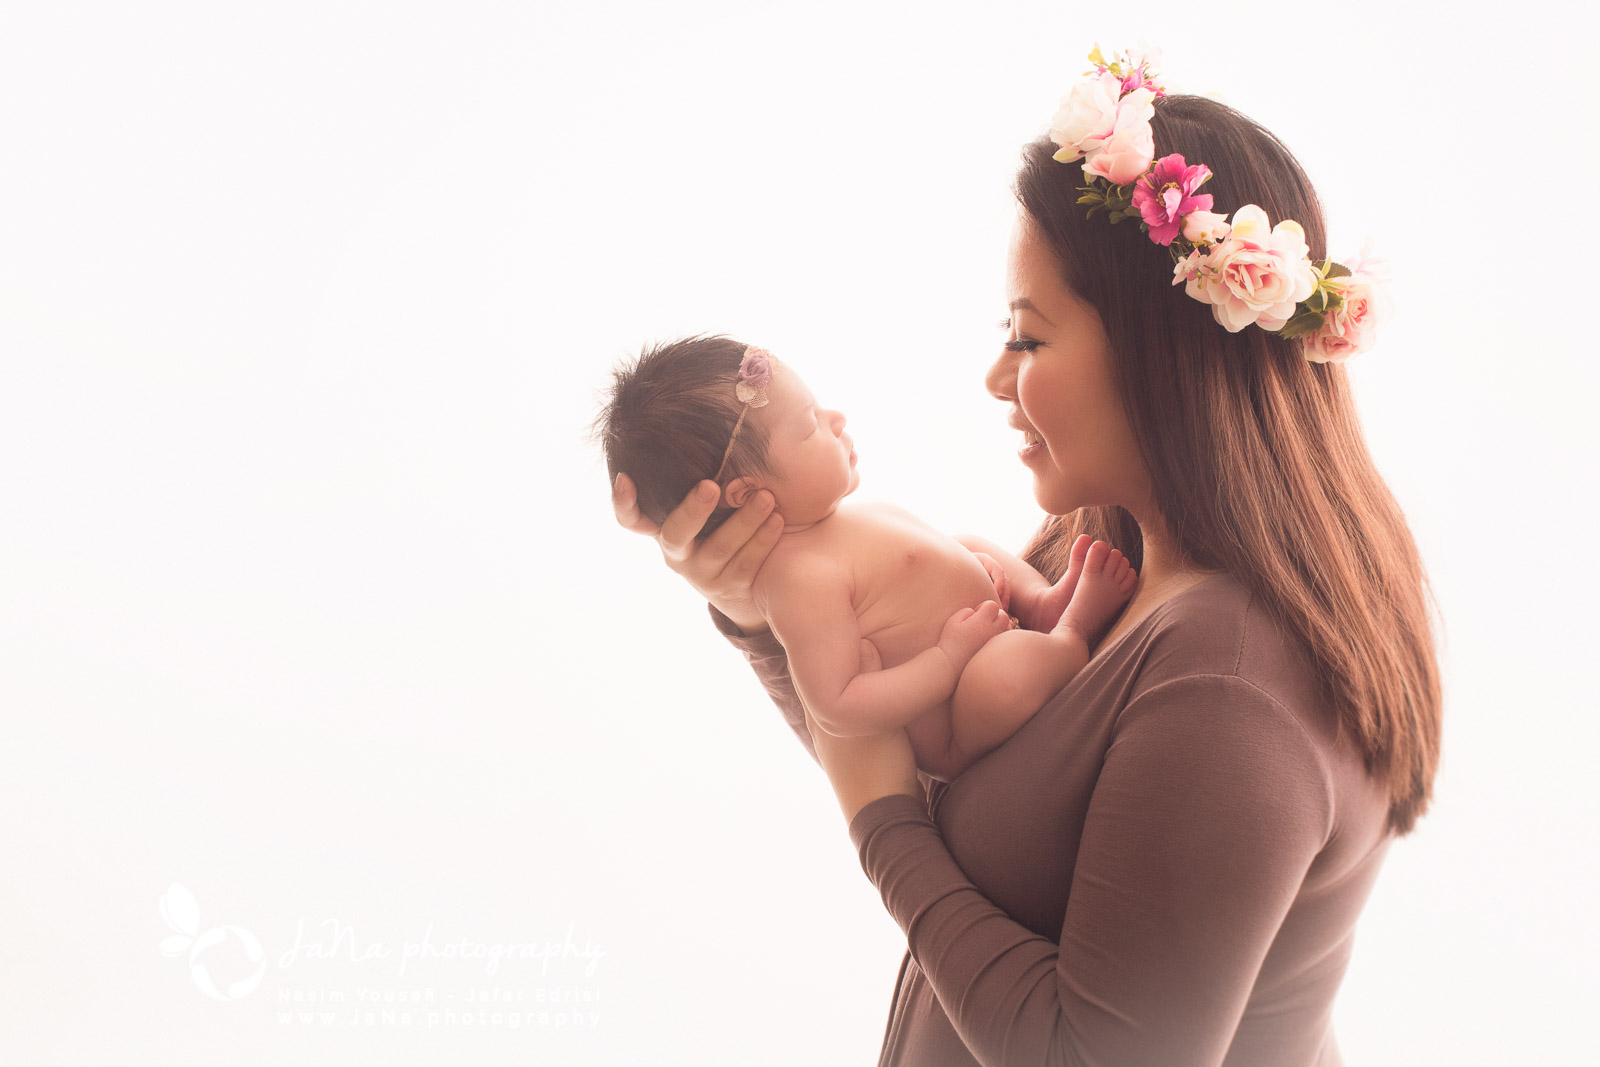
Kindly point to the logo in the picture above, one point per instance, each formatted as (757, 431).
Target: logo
(182, 913)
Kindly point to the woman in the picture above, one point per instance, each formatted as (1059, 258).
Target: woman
(1166, 864)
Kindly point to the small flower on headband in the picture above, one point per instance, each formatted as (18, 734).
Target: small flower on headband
(755, 371)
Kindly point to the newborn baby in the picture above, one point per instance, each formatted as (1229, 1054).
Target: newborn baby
(955, 674)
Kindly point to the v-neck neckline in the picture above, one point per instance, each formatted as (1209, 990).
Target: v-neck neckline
(1104, 650)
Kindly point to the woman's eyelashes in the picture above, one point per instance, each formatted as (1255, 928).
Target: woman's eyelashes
(1021, 344)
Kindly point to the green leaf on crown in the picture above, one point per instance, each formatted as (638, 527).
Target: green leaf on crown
(1302, 323)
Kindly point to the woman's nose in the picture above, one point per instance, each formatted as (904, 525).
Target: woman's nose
(1001, 381)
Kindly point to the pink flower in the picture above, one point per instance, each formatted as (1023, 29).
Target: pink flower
(1167, 194)
(1126, 154)
(1257, 275)
(755, 369)
(1352, 328)
(1205, 227)
(1140, 76)
(1325, 346)
(1358, 316)
(1097, 119)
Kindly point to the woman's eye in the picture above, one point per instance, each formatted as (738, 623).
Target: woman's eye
(1019, 345)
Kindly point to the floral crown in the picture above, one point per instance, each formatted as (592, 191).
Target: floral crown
(755, 373)
(1249, 272)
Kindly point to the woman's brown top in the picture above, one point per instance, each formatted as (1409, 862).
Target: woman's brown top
(1163, 866)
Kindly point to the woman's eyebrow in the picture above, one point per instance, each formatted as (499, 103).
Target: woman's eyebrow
(1022, 303)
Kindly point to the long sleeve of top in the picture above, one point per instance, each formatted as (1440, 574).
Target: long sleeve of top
(1163, 866)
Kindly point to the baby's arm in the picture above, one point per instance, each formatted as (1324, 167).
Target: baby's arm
(811, 615)
(1027, 587)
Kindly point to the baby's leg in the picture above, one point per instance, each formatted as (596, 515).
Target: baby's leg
(1053, 601)
(1016, 673)
(1103, 589)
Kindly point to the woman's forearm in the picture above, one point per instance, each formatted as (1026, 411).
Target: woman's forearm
(1156, 958)
(748, 625)
(770, 663)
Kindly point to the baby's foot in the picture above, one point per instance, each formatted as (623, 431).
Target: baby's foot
(1104, 586)
(1058, 596)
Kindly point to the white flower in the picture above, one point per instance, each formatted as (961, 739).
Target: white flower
(1086, 116)
(1204, 227)
(1260, 273)
(1188, 269)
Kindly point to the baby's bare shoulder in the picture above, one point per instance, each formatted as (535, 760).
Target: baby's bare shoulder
(881, 511)
(803, 571)
(809, 561)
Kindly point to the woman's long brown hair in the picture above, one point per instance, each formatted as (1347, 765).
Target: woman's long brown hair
(1255, 454)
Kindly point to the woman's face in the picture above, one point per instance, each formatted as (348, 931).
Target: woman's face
(1055, 372)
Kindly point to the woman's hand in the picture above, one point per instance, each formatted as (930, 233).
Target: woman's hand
(862, 769)
(722, 567)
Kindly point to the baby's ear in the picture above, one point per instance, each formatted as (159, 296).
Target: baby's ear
(738, 491)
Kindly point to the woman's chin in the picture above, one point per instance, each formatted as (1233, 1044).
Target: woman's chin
(1053, 499)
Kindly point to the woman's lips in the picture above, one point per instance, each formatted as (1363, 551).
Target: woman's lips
(1033, 447)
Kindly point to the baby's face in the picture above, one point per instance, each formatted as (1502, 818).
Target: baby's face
(811, 462)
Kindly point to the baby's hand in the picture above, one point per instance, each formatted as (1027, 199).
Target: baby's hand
(997, 576)
(969, 630)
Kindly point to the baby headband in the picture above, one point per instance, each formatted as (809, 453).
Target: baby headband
(1249, 272)
(755, 372)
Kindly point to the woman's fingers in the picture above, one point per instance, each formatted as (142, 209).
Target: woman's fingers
(722, 568)
(677, 533)
(625, 502)
(741, 569)
(727, 553)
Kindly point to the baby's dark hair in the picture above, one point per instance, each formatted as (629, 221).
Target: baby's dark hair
(667, 421)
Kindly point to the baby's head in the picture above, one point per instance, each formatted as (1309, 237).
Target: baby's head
(671, 418)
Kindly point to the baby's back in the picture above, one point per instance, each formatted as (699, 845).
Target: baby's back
(906, 578)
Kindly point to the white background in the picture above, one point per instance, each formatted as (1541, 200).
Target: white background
(312, 599)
